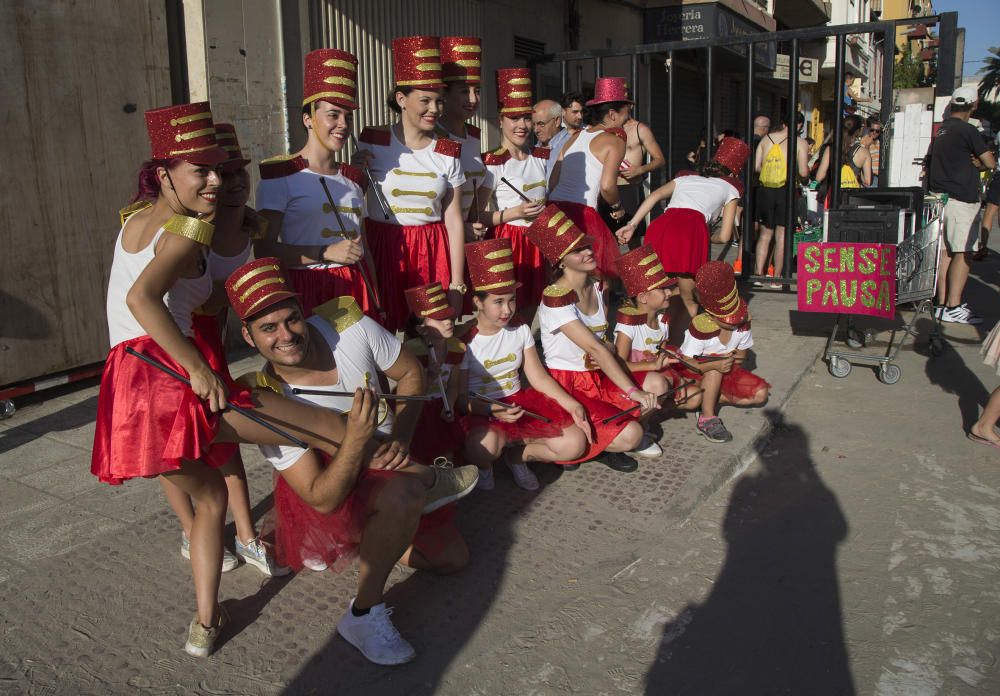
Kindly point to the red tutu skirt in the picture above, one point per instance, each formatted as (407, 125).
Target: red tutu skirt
(605, 243)
(147, 422)
(680, 238)
(435, 437)
(406, 256)
(302, 533)
(530, 266)
(601, 398)
(738, 383)
(319, 285)
(208, 336)
(525, 427)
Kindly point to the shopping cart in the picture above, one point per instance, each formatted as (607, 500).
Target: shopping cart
(916, 283)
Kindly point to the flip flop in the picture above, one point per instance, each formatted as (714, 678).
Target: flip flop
(981, 440)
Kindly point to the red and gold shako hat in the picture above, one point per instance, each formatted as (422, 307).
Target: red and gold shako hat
(255, 286)
(225, 135)
(416, 62)
(185, 131)
(555, 234)
(331, 75)
(733, 153)
(514, 91)
(491, 266)
(718, 294)
(609, 89)
(641, 270)
(460, 58)
(429, 302)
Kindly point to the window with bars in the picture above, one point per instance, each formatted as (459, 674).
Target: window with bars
(528, 48)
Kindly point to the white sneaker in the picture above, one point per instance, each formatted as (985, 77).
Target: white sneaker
(375, 636)
(649, 448)
(315, 563)
(523, 476)
(229, 561)
(486, 481)
(258, 554)
(960, 315)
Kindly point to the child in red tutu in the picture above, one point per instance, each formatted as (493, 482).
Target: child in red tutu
(573, 325)
(640, 330)
(440, 354)
(492, 367)
(714, 344)
(680, 236)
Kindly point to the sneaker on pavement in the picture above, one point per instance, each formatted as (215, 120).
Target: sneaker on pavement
(229, 561)
(258, 554)
(523, 476)
(375, 636)
(960, 315)
(315, 563)
(486, 482)
(619, 461)
(201, 640)
(648, 448)
(450, 485)
(713, 429)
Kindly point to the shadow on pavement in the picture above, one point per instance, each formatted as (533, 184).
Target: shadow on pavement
(69, 418)
(773, 622)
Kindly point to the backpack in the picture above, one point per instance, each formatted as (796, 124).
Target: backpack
(773, 170)
(850, 173)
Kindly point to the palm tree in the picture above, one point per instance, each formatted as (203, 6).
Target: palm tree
(990, 81)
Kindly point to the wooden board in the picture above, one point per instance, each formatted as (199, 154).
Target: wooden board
(78, 76)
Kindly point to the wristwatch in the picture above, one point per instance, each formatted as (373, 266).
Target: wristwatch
(461, 287)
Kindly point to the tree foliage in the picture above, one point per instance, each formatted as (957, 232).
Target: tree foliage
(989, 83)
(909, 72)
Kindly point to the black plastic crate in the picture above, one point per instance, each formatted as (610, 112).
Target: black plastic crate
(910, 198)
(876, 225)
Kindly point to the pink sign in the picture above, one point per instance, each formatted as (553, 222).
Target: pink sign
(847, 278)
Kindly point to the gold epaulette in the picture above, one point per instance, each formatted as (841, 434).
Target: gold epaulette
(704, 326)
(260, 380)
(131, 209)
(558, 296)
(341, 312)
(196, 230)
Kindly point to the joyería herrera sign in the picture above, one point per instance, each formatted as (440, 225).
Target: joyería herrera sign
(847, 278)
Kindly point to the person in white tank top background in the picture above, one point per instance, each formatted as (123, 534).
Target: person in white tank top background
(585, 169)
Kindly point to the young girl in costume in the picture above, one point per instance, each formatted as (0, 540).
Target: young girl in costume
(714, 344)
(494, 359)
(680, 236)
(324, 249)
(573, 325)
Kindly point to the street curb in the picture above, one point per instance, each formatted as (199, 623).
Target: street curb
(703, 483)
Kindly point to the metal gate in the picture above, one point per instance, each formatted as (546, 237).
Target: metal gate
(707, 52)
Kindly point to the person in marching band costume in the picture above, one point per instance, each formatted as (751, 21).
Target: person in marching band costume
(573, 324)
(322, 248)
(418, 239)
(494, 359)
(515, 171)
(150, 424)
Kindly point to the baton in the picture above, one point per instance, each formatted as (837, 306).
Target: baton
(664, 395)
(361, 262)
(386, 397)
(446, 410)
(516, 190)
(239, 409)
(384, 205)
(488, 400)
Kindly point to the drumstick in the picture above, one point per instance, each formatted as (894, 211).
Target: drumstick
(352, 236)
(446, 407)
(239, 409)
(667, 393)
(516, 190)
(488, 400)
(386, 397)
(382, 203)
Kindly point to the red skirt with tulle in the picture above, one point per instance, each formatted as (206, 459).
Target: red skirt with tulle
(530, 266)
(319, 285)
(738, 383)
(301, 532)
(148, 422)
(435, 437)
(406, 256)
(681, 239)
(525, 427)
(601, 398)
(605, 243)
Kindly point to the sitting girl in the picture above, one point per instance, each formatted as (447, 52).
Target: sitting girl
(492, 368)
(716, 341)
(573, 325)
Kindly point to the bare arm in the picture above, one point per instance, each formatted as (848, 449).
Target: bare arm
(824, 165)
(611, 152)
(452, 206)
(665, 191)
(802, 158)
(728, 222)
(866, 167)
(409, 377)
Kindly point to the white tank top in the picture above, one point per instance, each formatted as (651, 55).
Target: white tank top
(580, 173)
(221, 267)
(181, 300)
